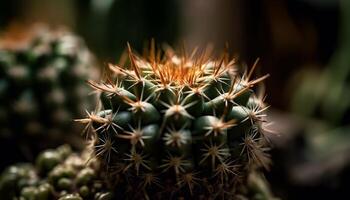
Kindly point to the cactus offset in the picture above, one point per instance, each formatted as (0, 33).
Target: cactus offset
(179, 126)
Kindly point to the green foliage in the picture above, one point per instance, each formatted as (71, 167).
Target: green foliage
(174, 126)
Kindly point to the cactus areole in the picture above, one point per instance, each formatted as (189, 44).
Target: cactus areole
(171, 126)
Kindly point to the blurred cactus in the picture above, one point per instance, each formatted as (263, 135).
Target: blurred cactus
(57, 174)
(60, 174)
(178, 126)
(313, 154)
(42, 81)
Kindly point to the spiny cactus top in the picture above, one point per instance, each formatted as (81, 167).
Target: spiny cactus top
(178, 126)
(42, 81)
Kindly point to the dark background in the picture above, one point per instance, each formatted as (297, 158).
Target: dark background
(289, 36)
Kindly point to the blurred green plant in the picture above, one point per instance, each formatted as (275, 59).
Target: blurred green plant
(320, 100)
(325, 94)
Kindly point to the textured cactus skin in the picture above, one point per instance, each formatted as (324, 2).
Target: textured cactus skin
(42, 82)
(57, 174)
(174, 126)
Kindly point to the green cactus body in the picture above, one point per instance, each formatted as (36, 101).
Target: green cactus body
(178, 126)
(42, 82)
(57, 174)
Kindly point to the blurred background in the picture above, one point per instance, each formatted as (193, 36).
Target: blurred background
(303, 44)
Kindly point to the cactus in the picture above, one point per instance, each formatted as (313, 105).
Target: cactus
(57, 174)
(61, 174)
(42, 81)
(178, 126)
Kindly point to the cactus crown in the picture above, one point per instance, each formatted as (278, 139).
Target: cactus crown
(188, 124)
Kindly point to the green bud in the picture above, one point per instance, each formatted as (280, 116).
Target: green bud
(64, 183)
(85, 176)
(61, 172)
(84, 191)
(71, 197)
(29, 193)
(47, 161)
(104, 196)
(44, 192)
